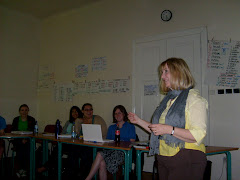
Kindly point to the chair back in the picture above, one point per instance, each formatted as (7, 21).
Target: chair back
(8, 128)
(50, 128)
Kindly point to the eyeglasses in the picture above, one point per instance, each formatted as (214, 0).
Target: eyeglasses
(88, 109)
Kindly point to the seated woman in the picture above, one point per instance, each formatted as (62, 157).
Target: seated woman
(109, 160)
(89, 118)
(24, 122)
(75, 117)
(86, 153)
(2, 127)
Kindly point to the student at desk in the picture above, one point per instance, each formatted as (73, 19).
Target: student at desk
(75, 117)
(2, 127)
(109, 160)
(89, 118)
(86, 153)
(24, 122)
(178, 125)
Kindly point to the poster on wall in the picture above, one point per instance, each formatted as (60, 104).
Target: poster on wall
(79, 88)
(63, 92)
(99, 63)
(150, 90)
(45, 78)
(223, 67)
(120, 85)
(105, 86)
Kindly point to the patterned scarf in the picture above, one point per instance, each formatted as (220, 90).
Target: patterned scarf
(175, 117)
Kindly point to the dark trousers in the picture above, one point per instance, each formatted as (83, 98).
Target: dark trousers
(186, 164)
(73, 156)
(22, 154)
(86, 155)
(74, 152)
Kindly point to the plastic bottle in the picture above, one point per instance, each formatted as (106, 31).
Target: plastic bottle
(117, 134)
(73, 131)
(57, 129)
(36, 128)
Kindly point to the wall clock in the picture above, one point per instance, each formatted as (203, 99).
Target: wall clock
(166, 15)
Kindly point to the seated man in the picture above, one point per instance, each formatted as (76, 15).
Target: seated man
(2, 127)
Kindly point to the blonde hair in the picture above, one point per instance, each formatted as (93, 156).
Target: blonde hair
(181, 77)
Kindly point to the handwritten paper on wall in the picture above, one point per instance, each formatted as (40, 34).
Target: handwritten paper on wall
(99, 63)
(63, 92)
(101, 86)
(45, 78)
(223, 67)
(81, 71)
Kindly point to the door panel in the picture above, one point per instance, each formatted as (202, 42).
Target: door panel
(149, 56)
(189, 49)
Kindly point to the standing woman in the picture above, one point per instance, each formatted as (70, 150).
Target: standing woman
(24, 122)
(178, 125)
(109, 160)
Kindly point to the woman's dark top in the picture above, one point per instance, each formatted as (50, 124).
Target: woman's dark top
(31, 123)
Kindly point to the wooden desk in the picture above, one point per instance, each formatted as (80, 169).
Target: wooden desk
(32, 149)
(210, 150)
(123, 146)
(213, 150)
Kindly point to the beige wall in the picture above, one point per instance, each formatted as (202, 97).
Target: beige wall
(106, 28)
(19, 58)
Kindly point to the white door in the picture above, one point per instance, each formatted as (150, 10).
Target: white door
(149, 52)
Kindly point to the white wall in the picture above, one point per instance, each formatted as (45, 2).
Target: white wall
(19, 58)
(108, 28)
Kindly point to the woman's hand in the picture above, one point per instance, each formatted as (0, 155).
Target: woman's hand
(160, 129)
(136, 120)
(133, 118)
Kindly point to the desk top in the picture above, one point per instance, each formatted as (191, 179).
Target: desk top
(213, 149)
(124, 145)
(209, 149)
(10, 135)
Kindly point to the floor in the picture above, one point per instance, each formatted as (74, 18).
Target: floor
(145, 176)
(5, 174)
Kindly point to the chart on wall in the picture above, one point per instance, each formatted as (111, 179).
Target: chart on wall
(223, 67)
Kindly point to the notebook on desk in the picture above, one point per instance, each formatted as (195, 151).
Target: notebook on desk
(93, 133)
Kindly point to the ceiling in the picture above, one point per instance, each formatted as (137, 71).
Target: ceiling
(44, 8)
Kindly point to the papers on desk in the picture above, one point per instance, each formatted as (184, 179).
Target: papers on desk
(22, 132)
(65, 136)
(48, 134)
(61, 135)
(141, 144)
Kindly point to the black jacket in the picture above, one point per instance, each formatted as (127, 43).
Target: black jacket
(31, 123)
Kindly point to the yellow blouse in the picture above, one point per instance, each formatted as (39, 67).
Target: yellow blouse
(196, 120)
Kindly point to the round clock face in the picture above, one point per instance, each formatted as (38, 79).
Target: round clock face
(166, 15)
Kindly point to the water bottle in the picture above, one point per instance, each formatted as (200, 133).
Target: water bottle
(117, 134)
(73, 131)
(57, 129)
(35, 128)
